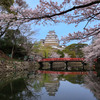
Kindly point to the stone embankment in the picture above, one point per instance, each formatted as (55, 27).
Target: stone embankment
(6, 66)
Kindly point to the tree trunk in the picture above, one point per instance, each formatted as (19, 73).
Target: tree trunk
(12, 52)
(97, 67)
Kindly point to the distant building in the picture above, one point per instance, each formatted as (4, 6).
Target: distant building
(51, 39)
(42, 41)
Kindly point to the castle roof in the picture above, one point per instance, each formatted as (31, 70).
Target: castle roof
(51, 39)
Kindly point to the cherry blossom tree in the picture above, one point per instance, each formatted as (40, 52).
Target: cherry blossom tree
(81, 10)
(92, 51)
(55, 55)
(68, 11)
(66, 55)
(93, 83)
(8, 16)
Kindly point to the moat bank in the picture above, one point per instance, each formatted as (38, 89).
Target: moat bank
(6, 65)
(9, 65)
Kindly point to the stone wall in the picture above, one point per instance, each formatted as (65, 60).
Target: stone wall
(51, 44)
(6, 66)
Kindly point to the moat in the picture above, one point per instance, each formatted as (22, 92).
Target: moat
(50, 85)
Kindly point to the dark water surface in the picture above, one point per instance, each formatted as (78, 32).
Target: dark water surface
(50, 85)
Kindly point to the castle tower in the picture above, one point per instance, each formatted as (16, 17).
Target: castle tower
(51, 39)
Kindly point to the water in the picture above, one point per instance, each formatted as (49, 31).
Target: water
(50, 85)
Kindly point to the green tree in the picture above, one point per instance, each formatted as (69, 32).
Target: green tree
(12, 36)
(46, 51)
(36, 47)
(6, 4)
(61, 53)
(15, 44)
(74, 50)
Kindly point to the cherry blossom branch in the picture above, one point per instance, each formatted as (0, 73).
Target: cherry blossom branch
(69, 10)
(62, 12)
(3, 32)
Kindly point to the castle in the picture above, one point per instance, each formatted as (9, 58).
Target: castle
(51, 39)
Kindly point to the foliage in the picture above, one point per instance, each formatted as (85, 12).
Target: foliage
(75, 79)
(6, 4)
(46, 51)
(61, 53)
(68, 11)
(6, 47)
(74, 50)
(36, 47)
(92, 82)
(54, 54)
(14, 44)
(92, 51)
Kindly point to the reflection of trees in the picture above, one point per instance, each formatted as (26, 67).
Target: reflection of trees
(31, 87)
(10, 89)
(17, 89)
(93, 83)
(76, 79)
(49, 81)
(97, 67)
(34, 83)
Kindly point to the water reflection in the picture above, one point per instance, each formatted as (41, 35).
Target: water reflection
(15, 87)
(9, 89)
(51, 85)
(93, 83)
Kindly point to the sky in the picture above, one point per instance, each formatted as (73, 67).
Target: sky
(61, 29)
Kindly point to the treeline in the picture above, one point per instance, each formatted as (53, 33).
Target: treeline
(13, 42)
(73, 51)
(15, 45)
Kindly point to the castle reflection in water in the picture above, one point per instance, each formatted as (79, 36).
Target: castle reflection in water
(52, 85)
